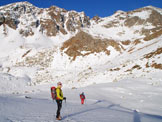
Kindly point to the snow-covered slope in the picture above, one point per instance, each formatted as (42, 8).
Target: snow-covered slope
(53, 44)
(130, 100)
(116, 61)
(124, 26)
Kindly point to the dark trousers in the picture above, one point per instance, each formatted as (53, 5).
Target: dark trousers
(59, 106)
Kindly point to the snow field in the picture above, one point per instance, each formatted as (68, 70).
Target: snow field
(129, 100)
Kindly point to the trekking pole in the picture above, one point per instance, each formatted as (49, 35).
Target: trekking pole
(65, 101)
(66, 110)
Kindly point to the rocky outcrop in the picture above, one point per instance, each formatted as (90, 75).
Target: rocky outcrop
(11, 22)
(147, 22)
(49, 26)
(96, 18)
(153, 19)
(133, 20)
(50, 21)
(152, 54)
(2, 19)
(85, 42)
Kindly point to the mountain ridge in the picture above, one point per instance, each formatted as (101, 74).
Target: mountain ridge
(56, 44)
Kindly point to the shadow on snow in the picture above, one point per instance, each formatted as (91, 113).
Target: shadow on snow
(136, 115)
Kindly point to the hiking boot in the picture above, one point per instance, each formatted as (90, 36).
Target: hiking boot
(58, 118)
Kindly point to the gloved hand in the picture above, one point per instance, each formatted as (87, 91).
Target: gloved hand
(64, 98)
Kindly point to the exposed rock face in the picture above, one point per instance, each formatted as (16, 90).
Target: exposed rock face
(153, 36)
(133, 20)
(154, 19)
(2, 19)
(152, 54)
(85, 42)
(96, 18)
(51, 20)
(12, 23)
(149, 19)
(50, 26)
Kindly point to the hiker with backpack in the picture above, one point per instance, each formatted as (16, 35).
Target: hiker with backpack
(57, 95)
(82, 97)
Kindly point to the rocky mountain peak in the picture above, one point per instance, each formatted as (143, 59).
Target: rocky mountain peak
(24, 17)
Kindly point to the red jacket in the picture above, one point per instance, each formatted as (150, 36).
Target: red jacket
(82, 96)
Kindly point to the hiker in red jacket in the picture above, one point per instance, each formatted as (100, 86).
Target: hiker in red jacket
(82, 97)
